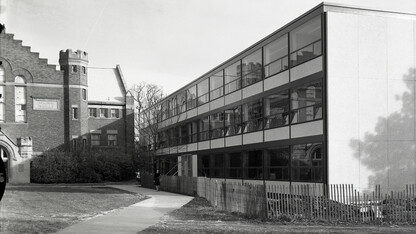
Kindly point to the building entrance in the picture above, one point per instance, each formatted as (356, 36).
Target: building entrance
(5, 158)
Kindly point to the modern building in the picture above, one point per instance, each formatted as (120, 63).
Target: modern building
(74, 108)
(328, 98)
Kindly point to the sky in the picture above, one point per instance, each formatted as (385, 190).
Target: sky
(165, 42)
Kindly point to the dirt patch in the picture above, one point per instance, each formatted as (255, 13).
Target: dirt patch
(198, 216)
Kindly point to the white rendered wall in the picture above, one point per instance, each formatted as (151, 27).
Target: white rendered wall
(371, 101)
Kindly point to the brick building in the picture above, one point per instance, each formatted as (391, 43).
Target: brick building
(74, 108)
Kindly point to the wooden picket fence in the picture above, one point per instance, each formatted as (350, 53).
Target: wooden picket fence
(305, 201)
(341, 203)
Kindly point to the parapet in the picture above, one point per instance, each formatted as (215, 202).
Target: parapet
(73, 55)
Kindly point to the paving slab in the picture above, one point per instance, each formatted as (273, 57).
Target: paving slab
(134, 218)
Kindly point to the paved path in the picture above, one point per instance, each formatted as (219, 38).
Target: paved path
(134, 218)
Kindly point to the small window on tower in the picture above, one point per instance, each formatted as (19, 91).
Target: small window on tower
(84, 94)
(84, 70)
(74, 112)
(74, 68)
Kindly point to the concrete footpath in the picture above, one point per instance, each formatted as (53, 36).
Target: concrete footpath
(134, 218)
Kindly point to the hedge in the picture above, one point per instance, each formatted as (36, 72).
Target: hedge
(82, 167)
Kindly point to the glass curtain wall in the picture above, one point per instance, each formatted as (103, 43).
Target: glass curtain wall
(217, 125)
(217, 85)
(191, 98)
(305, 42)
(276, 110)
(204, 129)
(232, 119)
(203, 92)
(252, 68)
(232, 78)
(276, 56)
(253, 116)
(306, 102)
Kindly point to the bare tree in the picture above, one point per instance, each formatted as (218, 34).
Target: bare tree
(148, 99)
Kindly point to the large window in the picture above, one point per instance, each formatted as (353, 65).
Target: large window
(276, 56)
(20, 99)
(305, 42)
(234, 165)
(92, 112)
(217, 125)
(252, 68)
(115, 113)
(253, 116)
(307, 162)
(173, 107)
(254, 168)
(203, 92)
(112, 140)
(232, 77)
(165, 110)
(103, 112)
(204, 129)
(204, 162)
(217, 85)
(306, 102)
(276, 110)
(218, 166)
(193, 131)
(181, 99)
(233, 124)
(183, 134)
(277, 163)
(191, 98)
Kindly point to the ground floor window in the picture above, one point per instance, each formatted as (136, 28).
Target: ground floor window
(300, 162)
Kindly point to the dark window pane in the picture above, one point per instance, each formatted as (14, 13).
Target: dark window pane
(306, 102)
(277, 163)
(254, 169)
(307, 162)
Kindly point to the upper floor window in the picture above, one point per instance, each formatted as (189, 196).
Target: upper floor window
(306, 102)
(165, 110)
(217, 125)
(252, 68)
(115, 113)
(204, 129)
(232, 77)
(191, 98)
(112, 140)
(84, 70)
(181, 99)
(20, 99)
(84, 94)
(203, 92)
(95, 139)
(275, 56)
(253, 116)
(305, 42)
(216, 85)
(103, 113)
(232, 120)
(74, 68)
(173, 107)
(74, 113)
(276, 110)
(2, 76)
(92, 112)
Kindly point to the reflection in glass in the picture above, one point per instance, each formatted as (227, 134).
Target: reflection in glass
(307, 163)
(253, 116)
(204, 129)
(232, 119)
(306, 102)
(191, 98)
(217, 125)
(234, 165)
(232, 75)
(252, 68)
(277, 163)
(276, 56)
(203, 95)
(254, 169)
(305, 42)
(216, 85)
(276, 110)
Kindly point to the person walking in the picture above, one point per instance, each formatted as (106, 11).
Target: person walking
(156, 180)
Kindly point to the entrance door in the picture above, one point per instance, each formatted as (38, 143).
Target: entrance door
(5, 158)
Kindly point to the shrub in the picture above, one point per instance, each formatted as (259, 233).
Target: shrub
(81, 167)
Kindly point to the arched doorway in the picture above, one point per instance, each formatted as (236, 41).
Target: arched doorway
(5, 156)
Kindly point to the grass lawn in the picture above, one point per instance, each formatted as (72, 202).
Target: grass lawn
(198, 216)
(49, 208)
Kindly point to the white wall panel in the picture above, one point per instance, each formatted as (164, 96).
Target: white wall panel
(233, 140)
(253, 137)
(276, 134)
(203, 145)
(313, 128)
(203, 109)
(276, 80)
(253, 89)
(217, 103)
(233, 97)
(192, 147)
(217, 143)
(306, 69)
(400, 110)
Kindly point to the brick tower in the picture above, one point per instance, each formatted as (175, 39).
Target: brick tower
(74, 64)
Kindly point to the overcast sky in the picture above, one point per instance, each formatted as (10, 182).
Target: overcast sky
(165, 42)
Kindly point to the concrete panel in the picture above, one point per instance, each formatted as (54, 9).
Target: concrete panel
(276, 134)
(401, 44)
(372, 44)
(217, 103)
(233, 140)
(307, 129)
(343, 159)
(217, 143)
(173, 150)
(235, 181)
(342, 45)
(181, 117)
(203, 109)
(253, 89)
(373, 108)
(400, 110)
(277, 183)
(253, 137)
(203, 145)
(306, 69)
(182, 148)
(253, 182)
(276, 80)
(233, 97)
(192, 147)
(192, 113)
